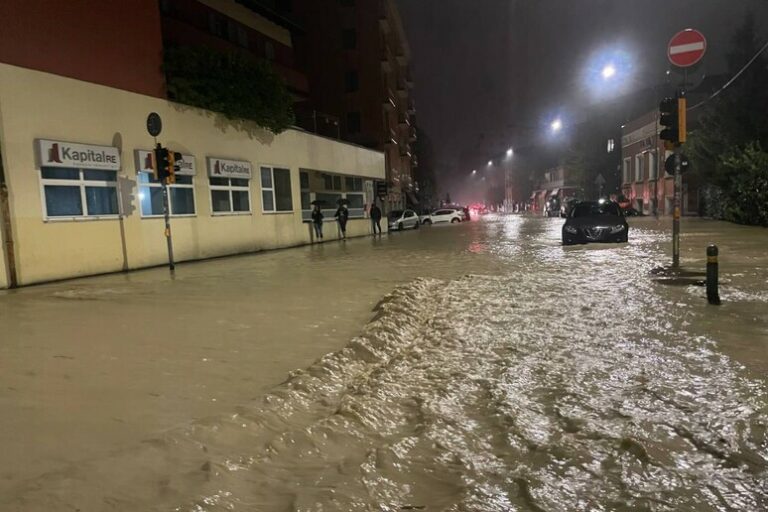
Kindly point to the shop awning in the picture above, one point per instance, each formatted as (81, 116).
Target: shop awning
(554, 192)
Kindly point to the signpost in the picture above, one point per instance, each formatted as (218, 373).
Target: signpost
(163, 162)
(685, 49)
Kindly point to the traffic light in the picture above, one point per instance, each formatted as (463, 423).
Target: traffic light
(162, 161)
(174, 163)
(672, 116)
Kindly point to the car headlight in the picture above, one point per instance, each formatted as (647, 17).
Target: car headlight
(570, 229)
(617, 229)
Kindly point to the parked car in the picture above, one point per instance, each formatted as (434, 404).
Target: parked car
(403, 219)
(595, 221)
(445, 215)
(465, 213)
(425, 217)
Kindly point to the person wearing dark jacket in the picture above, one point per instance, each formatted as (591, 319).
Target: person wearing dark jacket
(317, 221)
(375, 214)
(342, 215)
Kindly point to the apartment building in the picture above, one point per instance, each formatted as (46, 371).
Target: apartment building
(357, 59)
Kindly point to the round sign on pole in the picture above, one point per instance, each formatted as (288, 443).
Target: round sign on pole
(154, 124)
(669, 164)
(686, 48)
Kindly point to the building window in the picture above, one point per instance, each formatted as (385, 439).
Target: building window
(653, 166)
(242, 36)
(337, 183)
(217, 24)
(269, 50)
(611, 145)
(639, 161)
(626, 176)
(79, 192)
(351, 81)
(306, 197)
(230, 195)
(276, 190)
(181, 196)
(356, 204)
(353, 184)
(349, 39)
(353, 122)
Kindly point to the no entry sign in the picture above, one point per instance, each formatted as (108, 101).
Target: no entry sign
(686, 48)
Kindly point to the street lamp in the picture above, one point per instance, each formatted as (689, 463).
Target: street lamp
(490, 163)
(608, 71)
(510, 152)
(556, 125)
(474, 171)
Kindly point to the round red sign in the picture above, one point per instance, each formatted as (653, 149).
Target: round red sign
(686, 48)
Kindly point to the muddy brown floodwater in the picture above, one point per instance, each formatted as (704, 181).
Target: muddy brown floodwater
(479, 367)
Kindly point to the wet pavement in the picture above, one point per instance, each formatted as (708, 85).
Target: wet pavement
(489, 369)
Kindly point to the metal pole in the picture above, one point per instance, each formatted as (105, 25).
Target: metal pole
(167, 214)
(713, 294)
(676, 212)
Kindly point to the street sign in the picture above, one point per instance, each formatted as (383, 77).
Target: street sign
(686, 48)
(599, 181)
(381, 188)
(669, 164)
(154, 124)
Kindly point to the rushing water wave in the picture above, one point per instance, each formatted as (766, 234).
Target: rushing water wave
(484, 393)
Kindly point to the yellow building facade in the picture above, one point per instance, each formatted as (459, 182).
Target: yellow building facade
(80, 202)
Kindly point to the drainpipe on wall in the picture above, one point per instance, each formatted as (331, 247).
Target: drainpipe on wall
(5, 215)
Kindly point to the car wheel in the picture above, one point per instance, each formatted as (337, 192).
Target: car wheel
(400, 226)
(416, 225)
(454, 221)
(427, 222)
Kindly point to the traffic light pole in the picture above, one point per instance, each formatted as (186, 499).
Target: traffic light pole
(167, 214)
(676, 212)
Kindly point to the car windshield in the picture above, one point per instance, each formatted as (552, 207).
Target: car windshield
(395, 214)
(595, 209)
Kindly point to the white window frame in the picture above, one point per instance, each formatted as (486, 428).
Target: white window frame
(231, 188)
(346, 195)
(627, 170)
(272, 189)
(170, 198)
(81, 183)
(653, 165)
(639, 168)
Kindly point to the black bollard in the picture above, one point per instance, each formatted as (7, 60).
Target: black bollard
(713, 294)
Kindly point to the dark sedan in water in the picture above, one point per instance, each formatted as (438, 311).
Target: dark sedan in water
(595, 221)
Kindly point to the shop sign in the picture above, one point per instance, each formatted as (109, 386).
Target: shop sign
(55, 153)
(221, 168)
(186, 165)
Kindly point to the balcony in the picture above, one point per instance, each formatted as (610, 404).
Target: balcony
(403, 121)
(411, 107)
(402, 59)
(384, 24)
(412, 134)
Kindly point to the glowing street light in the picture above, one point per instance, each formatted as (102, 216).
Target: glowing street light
(474, 171)
(490, 163)
(510, 152)
(556, 125)
(608, 71)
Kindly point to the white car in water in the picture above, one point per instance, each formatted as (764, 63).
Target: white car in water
(403, 219)
(444, 215)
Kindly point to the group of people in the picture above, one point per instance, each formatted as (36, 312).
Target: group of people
(342, 216)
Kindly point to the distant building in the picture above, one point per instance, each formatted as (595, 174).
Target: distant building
(644, 182)
(357, 59)
(554, 184)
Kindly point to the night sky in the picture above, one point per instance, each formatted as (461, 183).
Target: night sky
(493, 73)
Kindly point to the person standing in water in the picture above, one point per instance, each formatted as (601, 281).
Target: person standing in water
(317, 221)
(342, 215)
(375, 214)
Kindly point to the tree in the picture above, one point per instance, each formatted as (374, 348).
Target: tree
(727, 147)
(229, 83)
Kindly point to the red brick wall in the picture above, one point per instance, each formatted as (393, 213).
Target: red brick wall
(111, 43)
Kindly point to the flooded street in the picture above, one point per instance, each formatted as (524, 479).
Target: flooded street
(478, 367)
